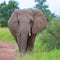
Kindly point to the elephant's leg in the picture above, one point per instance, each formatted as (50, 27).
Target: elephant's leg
(30, 43)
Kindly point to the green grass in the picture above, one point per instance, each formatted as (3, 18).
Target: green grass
(36, 54)
(5, 35)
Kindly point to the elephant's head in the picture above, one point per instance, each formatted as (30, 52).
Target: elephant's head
(27, 22)
(30, 21)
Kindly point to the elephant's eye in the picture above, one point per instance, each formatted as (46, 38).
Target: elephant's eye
(31, 21)
(18, 22)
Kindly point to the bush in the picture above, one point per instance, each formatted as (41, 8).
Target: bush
(50, 37)
(54, 29)
(3, 22)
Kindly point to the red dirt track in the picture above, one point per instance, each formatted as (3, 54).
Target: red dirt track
(7, 51)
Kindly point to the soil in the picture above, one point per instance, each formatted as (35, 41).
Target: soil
(7, 51)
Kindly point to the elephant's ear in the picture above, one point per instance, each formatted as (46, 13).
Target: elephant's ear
(39, 21)
(13, 21)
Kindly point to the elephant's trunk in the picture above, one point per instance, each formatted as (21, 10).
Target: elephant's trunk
(22, 40)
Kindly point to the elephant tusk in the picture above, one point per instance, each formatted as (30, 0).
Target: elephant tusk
(29, 34)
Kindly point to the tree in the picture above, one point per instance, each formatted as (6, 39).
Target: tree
(6, 10)
(41, 4)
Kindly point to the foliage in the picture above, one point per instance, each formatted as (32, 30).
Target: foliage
(41, 4)
(50, 38)
(6, 10)
(3, 22)
(55, 31)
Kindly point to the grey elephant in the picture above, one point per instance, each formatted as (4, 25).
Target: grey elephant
(24, 24)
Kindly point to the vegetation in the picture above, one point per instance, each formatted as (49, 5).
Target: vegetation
(38, 55)
(6, 10)
(50, 37)
(5, 35)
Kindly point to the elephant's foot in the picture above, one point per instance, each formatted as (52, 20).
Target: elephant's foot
(22, 52)
(29, 48)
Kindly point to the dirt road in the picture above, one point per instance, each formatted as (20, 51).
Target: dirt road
(7, 51)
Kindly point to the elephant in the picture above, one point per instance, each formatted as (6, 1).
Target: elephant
(24, 25)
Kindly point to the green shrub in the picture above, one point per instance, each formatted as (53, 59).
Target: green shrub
(3, 22)
(54, 29)
(50, 37)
